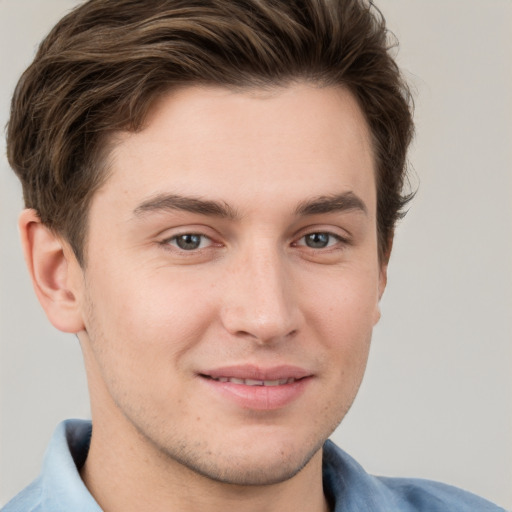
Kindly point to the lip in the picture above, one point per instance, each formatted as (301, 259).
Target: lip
(254, 372)
(287, 383)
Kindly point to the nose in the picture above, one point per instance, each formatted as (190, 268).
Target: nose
(259, 301)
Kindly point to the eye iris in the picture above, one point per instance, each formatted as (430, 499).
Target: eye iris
(317, 240)
(188, 242)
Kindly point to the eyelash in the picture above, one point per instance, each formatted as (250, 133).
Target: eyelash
(170, 241)
(330, 236)
(174, 241)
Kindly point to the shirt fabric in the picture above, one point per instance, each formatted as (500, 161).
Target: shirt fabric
(347, 486)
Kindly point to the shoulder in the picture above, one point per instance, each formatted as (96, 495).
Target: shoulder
(428, 496)
(59, 487)
(28, 500)
(350, 488)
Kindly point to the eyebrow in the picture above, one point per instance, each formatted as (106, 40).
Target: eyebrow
(346, 201)
(169, 202)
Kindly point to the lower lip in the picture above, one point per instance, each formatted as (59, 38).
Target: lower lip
(261, 398)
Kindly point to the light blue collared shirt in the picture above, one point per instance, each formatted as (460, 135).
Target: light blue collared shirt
(347, 486)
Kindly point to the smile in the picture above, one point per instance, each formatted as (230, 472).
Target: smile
(257, 388)
(254, 382)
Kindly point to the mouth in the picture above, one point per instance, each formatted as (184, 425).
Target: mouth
(253, 382)
(252, 375)
(256, 388)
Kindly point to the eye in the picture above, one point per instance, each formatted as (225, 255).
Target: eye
(189, 241)
(319, 240)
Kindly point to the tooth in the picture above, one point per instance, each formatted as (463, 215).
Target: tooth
(252, 382)
(255, 382)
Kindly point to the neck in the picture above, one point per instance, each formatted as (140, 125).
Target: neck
(129, 477)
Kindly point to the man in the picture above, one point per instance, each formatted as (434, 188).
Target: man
(211, 193)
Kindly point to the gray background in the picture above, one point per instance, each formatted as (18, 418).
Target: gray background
(436, 401)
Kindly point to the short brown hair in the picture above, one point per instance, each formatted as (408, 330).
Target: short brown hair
(102, 66)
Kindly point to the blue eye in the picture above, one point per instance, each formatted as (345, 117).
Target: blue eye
(189, 241)
(319, 240)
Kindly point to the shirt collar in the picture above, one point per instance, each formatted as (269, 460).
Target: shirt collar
(349, 488)
(61, 485)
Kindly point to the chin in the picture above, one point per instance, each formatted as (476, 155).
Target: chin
(266, 471)
(264, 464)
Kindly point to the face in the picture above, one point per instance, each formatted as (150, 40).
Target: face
(232, 280)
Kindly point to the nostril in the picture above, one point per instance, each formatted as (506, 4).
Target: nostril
(246, 334)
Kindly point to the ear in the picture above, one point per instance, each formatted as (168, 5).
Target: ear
(383, 277)
(55, 272)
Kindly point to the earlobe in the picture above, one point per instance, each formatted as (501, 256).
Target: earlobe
(53, 269)
(383, 278)
(381, 287)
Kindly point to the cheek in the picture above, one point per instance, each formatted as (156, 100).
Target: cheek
(343, 317)
(142, 321)
(346, 304)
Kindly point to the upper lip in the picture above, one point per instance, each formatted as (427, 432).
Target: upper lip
(254, 372)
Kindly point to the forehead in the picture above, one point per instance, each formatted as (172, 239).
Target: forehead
(212, 141)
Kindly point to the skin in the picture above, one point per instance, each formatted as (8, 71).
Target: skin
(252, 173)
